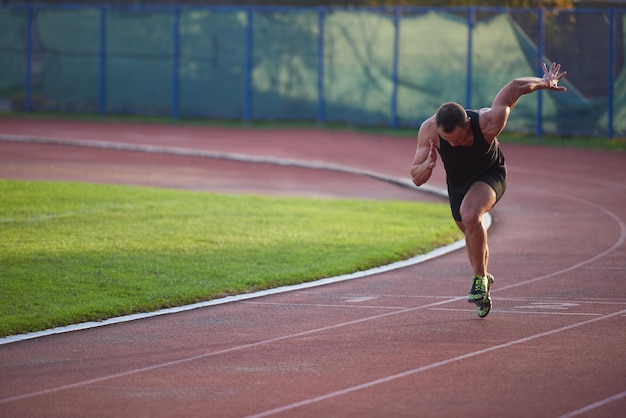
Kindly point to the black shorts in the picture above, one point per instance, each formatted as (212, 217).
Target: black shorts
(494, 177)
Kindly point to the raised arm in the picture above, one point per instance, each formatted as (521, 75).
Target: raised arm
(493, 120)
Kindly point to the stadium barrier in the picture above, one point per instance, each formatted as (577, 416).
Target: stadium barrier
(363, 66)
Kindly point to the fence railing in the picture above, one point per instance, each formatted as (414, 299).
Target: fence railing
(369, 66)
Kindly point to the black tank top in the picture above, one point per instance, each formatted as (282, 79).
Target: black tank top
(464, 164)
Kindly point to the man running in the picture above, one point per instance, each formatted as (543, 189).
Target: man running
(474, 163)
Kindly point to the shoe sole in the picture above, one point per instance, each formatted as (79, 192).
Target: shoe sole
(479, 298)
(484, 307)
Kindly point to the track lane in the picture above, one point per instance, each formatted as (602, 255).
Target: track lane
(543, 251)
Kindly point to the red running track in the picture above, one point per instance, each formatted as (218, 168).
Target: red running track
(402, 343)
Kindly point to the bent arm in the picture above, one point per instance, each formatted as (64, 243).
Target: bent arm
(425, 157)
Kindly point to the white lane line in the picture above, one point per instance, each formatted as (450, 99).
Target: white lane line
(191, 152)
(359, 299)
(214, 353)
(325, 305)
(377, 270)
(618, 243)
(595, 405)
(606, 268)
(548, 305)
(431, 366)
(508, 311)
(362, 386)
(569, 178)
(244, 158)
(533, 299)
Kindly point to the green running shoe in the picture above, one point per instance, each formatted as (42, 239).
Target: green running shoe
(479, 290)
(484, 306)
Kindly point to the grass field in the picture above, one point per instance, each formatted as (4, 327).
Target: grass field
(73, 252)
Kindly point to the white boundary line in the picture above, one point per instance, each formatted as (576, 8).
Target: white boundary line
(595, 405)
(190, 152)
(619, 242)
(434, 365)
(377, 270)
(242, 158)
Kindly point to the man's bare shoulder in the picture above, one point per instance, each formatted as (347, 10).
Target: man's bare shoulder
(428, 132)
(428, 123)
(491, 121)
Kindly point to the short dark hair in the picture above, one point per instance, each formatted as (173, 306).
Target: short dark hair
(449, 116)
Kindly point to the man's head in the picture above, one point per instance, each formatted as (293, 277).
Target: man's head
(450, 116)
(452, 123)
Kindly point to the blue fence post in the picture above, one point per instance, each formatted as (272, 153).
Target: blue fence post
(29, 59)
(610, 75)
(175, 63)
(247, 107)
(540, 44)
(394, 75)
(321, 105)
(470, 51)
(102, 63)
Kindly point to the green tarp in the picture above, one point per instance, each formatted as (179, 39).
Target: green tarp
(265, 64)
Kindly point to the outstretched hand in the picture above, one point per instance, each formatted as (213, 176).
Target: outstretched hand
(553, 77)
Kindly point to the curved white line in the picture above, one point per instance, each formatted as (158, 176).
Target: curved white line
(118, 146)
(619, 242)
(570, 178)
(189, 152)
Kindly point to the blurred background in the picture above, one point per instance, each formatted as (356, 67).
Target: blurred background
(363, 63)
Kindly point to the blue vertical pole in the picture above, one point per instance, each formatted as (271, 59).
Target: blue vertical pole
(470, 51)
(102, 63)
(540, 45)
(29, 59)
(247, 112)
(610, 75)
(321, 109)
(394, 76)
(175, 63)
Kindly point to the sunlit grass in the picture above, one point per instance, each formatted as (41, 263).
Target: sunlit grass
(73, 252)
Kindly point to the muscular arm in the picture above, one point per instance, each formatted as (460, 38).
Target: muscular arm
(425, 157)
(493, 120)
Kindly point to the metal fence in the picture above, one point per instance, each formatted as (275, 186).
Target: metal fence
(363, 66)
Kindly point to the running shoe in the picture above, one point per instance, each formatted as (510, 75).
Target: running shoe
(484, 306)
(479, 290)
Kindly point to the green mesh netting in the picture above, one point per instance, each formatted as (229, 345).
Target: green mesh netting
(69, 58)
(212, 63)
(432, 64)
(139, 61)
(284, 69)
(209, 62)
(12, 24)
(358, 63)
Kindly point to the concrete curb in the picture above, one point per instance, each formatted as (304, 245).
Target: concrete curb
(315, 165)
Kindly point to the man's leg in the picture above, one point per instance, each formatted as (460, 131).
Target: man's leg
(479, 199)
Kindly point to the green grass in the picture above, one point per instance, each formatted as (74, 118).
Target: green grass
(73, 252)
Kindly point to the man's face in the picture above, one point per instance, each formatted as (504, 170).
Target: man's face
(457, 136)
